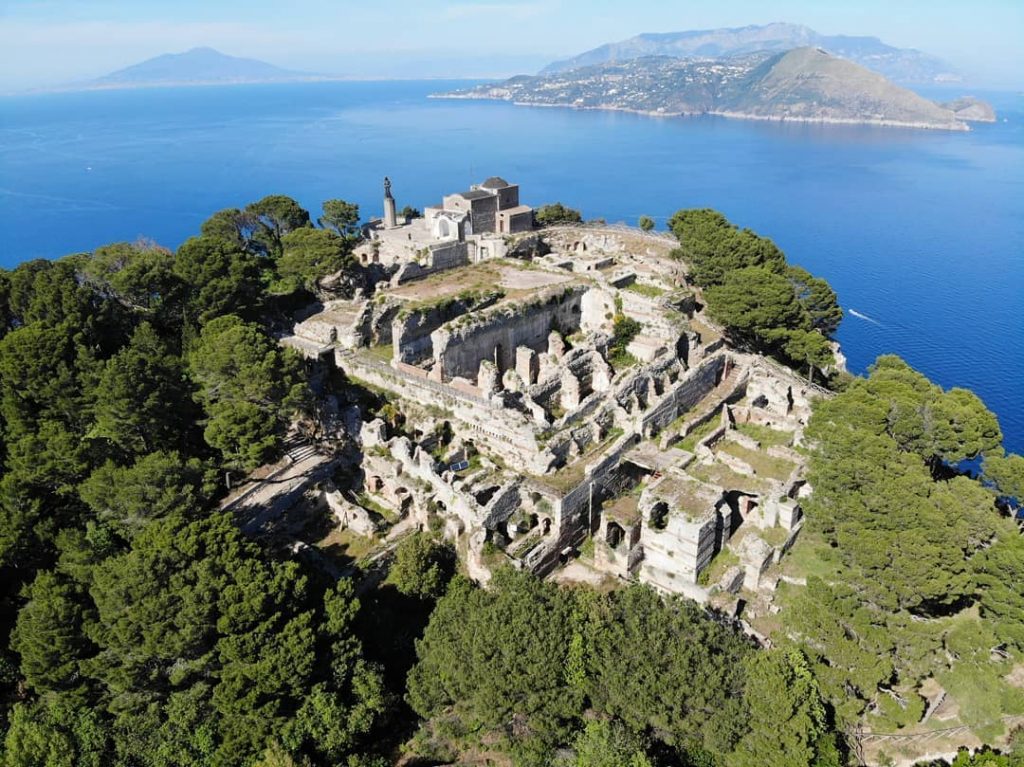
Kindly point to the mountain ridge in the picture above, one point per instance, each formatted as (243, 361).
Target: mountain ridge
(902, 65)
(196, 66)
(805, 85)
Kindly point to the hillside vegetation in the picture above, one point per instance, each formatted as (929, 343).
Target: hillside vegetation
(139, 627)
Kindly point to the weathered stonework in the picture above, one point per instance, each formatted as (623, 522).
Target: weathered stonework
(512, 358)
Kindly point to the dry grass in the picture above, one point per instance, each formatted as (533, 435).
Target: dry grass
(765, 465)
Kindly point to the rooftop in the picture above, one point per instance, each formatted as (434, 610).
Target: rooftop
(686, 496)
(476, 194)
(495, 182)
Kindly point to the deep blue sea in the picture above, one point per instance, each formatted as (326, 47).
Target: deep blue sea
(920, 232)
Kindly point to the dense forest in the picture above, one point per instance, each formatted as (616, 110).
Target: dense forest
(140, 627)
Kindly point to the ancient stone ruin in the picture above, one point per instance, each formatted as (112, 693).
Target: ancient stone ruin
(533, 431)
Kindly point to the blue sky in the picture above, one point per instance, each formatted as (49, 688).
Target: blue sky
(52, 41)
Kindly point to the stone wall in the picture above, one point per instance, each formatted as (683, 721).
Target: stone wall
(482, 210)
(438, 258)
(495, 334)
(508, 196)
(411, 330)
(377, 325)
(507, 433)
(501, 505)
(687, 392)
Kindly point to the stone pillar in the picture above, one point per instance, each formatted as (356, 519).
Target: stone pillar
(556, 345)
(487, 379)
(569, 391)
(526, 364)
(390, 217)
(511, 381)
(548, 366)
(602, 374)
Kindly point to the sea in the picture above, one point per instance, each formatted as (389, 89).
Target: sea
(920, 232)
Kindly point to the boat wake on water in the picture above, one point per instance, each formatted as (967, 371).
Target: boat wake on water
(864, 317)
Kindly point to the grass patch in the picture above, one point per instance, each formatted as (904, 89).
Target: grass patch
(811, 556)
(587, 549)
(766, 435)
(774, 536)
(622, 360)
(716, 568)
(708, 335)
(650, 291)
(689, 442)
(763, 464)
(346, 548)
(470, 297)
(383, 353)
(369, 504)
(570, 476)
(984, 696)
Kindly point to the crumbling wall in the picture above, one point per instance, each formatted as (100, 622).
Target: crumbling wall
(410, 330)
(694, 386)
(460, 346)
(377, 322)
(439, 257)
(501, 505)
(507, 433)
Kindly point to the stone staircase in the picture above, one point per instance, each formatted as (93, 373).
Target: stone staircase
(298, 449)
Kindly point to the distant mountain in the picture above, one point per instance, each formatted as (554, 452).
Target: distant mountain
(199, 66)
(901, 65)
(805, 84)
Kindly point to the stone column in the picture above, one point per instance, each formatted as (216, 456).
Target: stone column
(390, 218)
(526, 364)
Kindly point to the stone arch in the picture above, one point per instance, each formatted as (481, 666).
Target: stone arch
(444, 229)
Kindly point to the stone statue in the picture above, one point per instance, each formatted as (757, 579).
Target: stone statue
(387, 187)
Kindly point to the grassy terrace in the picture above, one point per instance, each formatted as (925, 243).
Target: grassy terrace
(345, 547)
(649, 291)
(811, 556)
(766, 435)
(765, 465)
(382, 353)
(722, 475)
(623, 510)
(708, 335)
(689, 442)
(774, 536)
(515, 279)
(722, 561)
(691, 503)
(623, 361)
